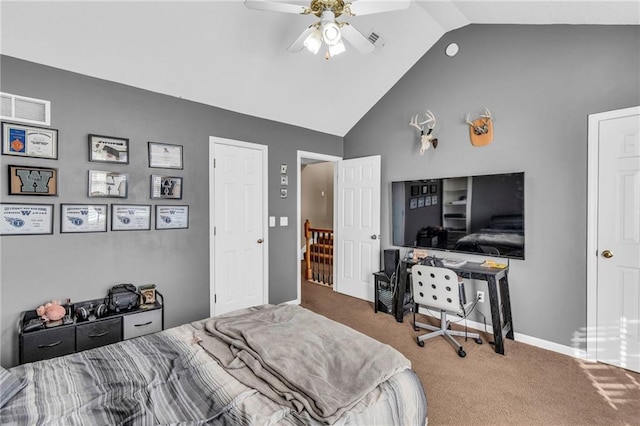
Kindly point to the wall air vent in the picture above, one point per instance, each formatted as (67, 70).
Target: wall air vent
(27, 110)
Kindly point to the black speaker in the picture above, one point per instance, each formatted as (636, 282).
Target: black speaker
(391, 260)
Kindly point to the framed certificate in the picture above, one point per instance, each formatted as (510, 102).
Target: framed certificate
(172, 217)
(29, 141)
(26, 219)
(107, 184)
(130, 217)
(24, 180)
(167, 187)
(108, 149)
(83, 218)
(165, 156)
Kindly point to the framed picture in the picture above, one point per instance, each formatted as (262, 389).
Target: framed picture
(107, 184)
(172, 217)
(108, 149)
(434, 200)
(26, 219)
(420, 201)
(26, 180)
(427, 201)
(283, 192)
(130, 217)
(283, 169)
(413, 203)
(425, 189)
(29, 141)
(433, 188)
(168, 187)
(415, 190)
(284, 180)
(78, 218)
(165, 156)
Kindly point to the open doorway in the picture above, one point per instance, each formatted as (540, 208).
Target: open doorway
(316, 174)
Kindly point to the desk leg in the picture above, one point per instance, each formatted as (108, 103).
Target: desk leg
(376, 289)
(401, 282)
(494, 301)
(506, 306)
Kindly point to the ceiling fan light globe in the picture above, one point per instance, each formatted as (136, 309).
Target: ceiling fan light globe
(331, 34)
(337, 48)
(313, 42)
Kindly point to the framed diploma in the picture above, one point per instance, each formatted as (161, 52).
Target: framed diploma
(107, 184)
(165, 156)
(75, 218)
(172, 217)
(168, 187)
(24, 180)
(26, 219)
(29, 141)
(108, 149)
(130, 217)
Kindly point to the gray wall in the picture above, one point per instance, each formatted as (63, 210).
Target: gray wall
(540, 82)
(35, 269)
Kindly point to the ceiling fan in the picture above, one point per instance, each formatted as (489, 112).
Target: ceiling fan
(328, 30)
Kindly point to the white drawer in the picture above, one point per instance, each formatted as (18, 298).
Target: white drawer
(142, 323)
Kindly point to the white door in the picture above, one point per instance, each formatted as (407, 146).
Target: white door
(618, 251)
(357, 226)
(239, 223)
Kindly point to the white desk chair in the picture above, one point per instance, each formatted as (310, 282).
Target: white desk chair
(438, 288)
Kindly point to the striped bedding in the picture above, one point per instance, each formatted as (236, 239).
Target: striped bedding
(167, 378)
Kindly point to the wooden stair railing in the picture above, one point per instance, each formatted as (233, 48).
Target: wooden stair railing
(318, 254)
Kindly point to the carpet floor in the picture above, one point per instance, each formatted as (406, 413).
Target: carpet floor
(526, 386)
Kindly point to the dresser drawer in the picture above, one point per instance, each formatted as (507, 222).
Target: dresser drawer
(48, 343)
(142, 323)
(98, 333)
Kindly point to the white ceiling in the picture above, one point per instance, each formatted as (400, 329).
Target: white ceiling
(220, 53)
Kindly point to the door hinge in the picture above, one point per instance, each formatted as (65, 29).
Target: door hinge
(215, 298)
(214, 163)
(215, 231)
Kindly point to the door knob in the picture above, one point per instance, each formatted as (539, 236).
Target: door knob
(374, 237)
(608, 254)
(259, 240)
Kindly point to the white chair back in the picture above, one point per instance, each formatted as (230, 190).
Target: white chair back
(436, 287)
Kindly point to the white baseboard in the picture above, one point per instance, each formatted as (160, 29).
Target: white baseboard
(292, 302)
(518, 337)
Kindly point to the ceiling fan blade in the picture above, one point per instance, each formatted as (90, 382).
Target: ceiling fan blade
(298, 44)
(356, 38)
(367, 7)
(273, 6)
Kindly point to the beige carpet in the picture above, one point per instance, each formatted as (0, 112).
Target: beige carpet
(526, 386)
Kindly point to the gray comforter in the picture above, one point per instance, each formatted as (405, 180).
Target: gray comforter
(301, 359)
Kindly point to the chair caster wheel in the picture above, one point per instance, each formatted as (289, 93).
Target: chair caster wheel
(461, 353)
(416, 329)
(478, 341)
(419, 342)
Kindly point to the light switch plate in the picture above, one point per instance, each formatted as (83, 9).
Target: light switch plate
(272, 221)
(284, 221)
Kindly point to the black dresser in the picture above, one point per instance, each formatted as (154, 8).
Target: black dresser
(78, 335)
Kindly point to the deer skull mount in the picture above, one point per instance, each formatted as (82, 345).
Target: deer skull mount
(480, 129)
(426, 138)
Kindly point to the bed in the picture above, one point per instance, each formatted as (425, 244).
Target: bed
(271, 364)
(504, 236)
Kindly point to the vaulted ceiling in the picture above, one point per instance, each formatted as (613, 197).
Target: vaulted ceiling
(223, 54)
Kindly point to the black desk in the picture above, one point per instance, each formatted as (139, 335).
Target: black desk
(498, 286)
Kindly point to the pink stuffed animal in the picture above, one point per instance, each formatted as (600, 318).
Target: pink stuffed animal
(52, 311)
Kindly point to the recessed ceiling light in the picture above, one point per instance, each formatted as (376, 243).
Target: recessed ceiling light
(452, 49)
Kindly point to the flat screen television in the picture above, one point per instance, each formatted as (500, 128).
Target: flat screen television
(468, 214)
